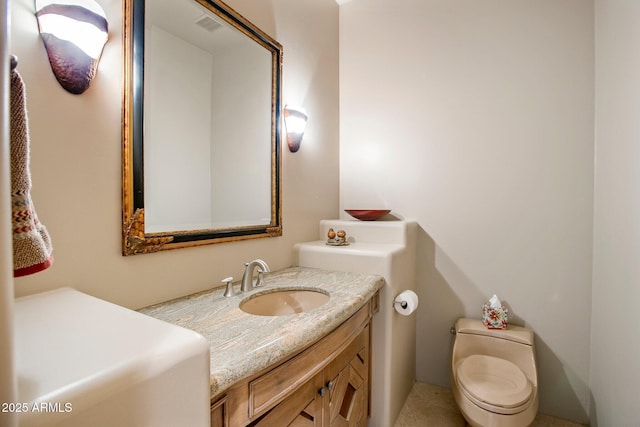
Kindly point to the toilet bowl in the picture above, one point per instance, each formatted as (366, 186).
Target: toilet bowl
(493, 375)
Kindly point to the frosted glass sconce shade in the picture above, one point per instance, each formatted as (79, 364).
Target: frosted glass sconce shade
(74, 33)
(295, 120)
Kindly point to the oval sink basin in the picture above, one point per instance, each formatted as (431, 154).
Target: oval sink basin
(280, 303)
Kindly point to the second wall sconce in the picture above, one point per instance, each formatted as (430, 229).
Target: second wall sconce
(295, 120)
(74, 34)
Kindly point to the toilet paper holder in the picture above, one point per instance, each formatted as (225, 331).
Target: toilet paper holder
(403, 304)
(406, 302)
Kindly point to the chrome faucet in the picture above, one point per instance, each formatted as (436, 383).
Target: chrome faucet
(247, 277)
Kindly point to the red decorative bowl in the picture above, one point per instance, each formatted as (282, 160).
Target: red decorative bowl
(367, 214)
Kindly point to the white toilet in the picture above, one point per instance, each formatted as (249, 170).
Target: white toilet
(493, 375)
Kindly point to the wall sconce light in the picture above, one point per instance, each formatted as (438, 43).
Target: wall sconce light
(295, 120)
(74, 33)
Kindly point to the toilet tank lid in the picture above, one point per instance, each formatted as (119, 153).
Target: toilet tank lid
(512, 333)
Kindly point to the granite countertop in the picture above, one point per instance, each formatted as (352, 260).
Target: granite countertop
(243, 344)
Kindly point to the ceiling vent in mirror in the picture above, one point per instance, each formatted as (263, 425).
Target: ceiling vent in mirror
(207, 22)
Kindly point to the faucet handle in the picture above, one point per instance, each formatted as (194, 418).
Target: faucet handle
(260, 281)
(229, 292)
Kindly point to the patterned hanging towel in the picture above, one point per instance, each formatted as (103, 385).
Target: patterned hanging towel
(32, 250)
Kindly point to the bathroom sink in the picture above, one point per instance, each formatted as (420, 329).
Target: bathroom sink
(280, 303)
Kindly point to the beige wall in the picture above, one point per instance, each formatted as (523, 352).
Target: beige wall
(476, 120)
(76, 161)
(615, 349)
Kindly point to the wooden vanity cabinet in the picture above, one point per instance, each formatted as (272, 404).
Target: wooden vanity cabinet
(326, 385)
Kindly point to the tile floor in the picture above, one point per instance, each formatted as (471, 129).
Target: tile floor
(433, 406)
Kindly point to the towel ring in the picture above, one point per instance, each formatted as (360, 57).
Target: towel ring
(14, 62)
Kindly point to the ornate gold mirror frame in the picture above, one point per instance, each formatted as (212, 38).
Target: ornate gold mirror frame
(135, 238)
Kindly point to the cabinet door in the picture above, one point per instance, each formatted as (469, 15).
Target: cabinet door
(348, 385)
(302, 409)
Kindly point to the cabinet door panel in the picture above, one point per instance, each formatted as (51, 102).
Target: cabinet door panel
(305, 419)
(347, 402)
(348, 374)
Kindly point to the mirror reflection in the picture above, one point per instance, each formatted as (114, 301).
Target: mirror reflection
(202, 152)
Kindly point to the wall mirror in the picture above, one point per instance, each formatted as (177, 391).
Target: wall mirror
(201, 126)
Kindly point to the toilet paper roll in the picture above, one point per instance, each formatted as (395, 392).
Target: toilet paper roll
(406, 302)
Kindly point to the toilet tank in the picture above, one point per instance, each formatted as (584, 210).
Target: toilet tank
(515, 344)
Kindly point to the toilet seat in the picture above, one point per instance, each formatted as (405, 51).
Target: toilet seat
(494, 384)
